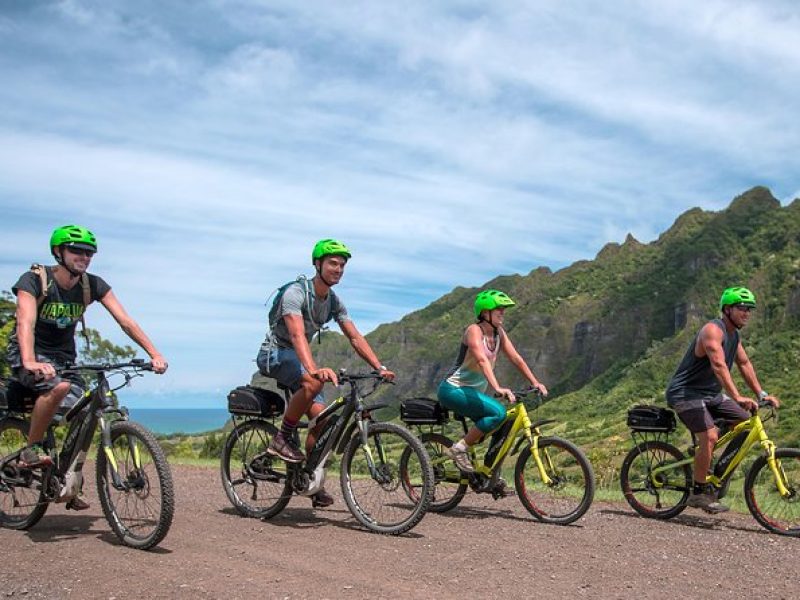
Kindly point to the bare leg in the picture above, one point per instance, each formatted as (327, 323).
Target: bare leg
(705, 449)
(44, 410)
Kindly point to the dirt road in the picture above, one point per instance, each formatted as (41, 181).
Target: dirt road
(482, 549)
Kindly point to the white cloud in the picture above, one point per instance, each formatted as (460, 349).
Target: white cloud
(445, 142)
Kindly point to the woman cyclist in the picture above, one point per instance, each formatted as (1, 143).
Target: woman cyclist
(464, 389)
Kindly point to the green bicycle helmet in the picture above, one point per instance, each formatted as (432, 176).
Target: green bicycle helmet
(491, 299)
(73, 236)
(329, 247)
(737, 295)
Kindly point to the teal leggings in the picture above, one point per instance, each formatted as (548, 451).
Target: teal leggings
(487, 412)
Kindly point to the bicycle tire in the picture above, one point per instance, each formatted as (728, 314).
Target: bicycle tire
(449, 484)
(247, 471)
(571, 491)
(141, 514)
(774, 512)
(383, 506)
(16, 512)
(667, 497)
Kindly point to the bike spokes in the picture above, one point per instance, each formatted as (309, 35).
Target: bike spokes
(135, 486)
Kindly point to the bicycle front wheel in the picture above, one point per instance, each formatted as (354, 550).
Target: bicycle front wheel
(254, 481)
(779, 514)
(450, 484)
(374, 485)
(659, 495)
(21, 497)
(139, 505)
(567, 495)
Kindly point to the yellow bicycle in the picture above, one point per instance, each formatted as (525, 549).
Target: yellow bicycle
(656, 477)
(553, 478)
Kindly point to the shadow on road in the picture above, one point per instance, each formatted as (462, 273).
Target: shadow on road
(701, 521)
(310, 518)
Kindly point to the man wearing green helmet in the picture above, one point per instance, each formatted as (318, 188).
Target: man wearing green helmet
(50, 302)
(696, 390)
(464, 389)
(301, 310)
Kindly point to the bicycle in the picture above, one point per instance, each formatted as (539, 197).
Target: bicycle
(553, 478)
(134, 482)
(260, 485)
(656, 477)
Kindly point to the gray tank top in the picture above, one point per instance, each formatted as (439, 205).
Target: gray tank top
(694, 377)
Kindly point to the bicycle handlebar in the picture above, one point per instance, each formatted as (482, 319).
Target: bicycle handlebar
(137, 364)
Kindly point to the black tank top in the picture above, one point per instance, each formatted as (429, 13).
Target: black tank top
(694, 377)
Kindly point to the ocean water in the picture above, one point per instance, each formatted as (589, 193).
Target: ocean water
(180, 420)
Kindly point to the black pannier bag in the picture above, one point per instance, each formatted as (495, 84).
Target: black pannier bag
(253, 401)
(651, 418)
(423, 411)
(15, 397)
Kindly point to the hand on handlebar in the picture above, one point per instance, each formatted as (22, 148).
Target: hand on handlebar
(159, 364)
(325, 374)
(506, 393)
(41, 370)
(747, 403)
(540, 387)
(386, 374)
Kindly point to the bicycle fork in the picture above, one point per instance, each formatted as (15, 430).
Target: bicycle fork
(108, 450)
(375, 473)
(777, 470)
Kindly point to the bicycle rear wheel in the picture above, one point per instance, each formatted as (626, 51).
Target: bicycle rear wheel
(450, 484)
(570, 491)
(139, 508)
(254, 481)
(779, 514)
(659, 496)
(22, 504)
(378, 498)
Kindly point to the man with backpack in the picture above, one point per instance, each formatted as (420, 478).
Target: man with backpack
(300, 310)
(50, 303)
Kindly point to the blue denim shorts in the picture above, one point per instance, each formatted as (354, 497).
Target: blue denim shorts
(283, 365)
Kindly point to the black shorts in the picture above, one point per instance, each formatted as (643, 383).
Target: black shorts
(698, 414)
(42, 386)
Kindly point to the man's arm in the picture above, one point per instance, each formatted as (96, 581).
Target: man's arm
(711, 342)
(132, 329)
(749, 374)
(363, 349)
(26, 321)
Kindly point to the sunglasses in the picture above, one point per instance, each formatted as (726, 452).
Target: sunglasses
(744, 307)
(81, 251)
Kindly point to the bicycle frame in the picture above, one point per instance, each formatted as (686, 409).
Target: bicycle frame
(69, 459)
(335, 434)
(757, 435)
(521, 424)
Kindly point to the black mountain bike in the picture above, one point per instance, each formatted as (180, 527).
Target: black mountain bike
(133, 478)
(261, 485)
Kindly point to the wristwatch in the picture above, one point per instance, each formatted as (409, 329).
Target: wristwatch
(762, 395)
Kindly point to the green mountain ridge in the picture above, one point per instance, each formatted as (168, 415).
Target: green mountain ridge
(607, 333)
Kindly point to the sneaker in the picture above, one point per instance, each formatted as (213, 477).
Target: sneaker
(461, 457)
(707, 501)
(35, 457)
(321, 499)
(285, 449)
(77, 503)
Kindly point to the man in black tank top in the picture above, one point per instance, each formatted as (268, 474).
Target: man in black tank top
(696, 390)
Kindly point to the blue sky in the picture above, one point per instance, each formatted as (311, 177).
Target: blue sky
(210, 143)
